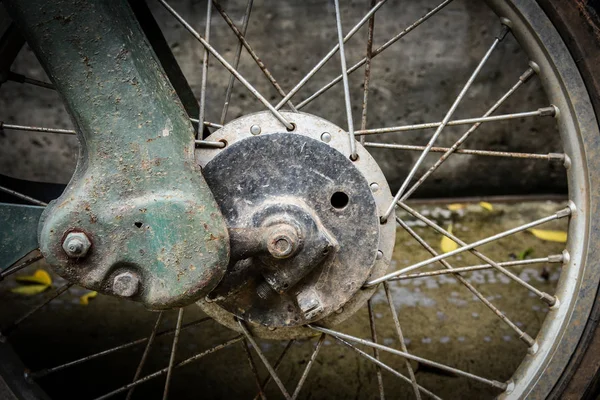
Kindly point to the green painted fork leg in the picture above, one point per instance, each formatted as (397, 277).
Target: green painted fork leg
(137, 194)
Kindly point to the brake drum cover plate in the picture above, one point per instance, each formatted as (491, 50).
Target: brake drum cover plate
(264, 167)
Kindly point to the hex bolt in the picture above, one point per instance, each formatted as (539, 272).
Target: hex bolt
(76, 245)
(255, 130)
(126, 284)
(326, 137)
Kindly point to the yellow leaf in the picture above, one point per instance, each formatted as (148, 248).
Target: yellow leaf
(551, 236)
(447, 244)
(40, 276)
(455, 206)
(30, 290)
(85, 299)
(486, 205)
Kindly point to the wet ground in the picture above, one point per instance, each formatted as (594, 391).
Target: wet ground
(440, 319)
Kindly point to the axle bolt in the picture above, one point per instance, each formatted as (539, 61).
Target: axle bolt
(76, 245)
(126, 284)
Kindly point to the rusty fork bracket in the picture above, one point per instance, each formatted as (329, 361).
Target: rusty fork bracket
(137, 219)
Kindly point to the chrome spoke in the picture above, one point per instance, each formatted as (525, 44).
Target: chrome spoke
(202, 108)
(328, 56)
(309, 365)
(521, 334)
(228, 66)
(560, 157)
(47, 371)
(561, 214)
(264, 360)
(367, 79)
(19, 78)
(376, 52)
(5, 127)
(445, 121)
(338, 20)
(540, 112)
(556, 258)
(8, 329)
(236, 61)
(379, 364)
(173, 352)
(411, 373)
(493, 383)
(522, 79)
(252, 53)
(140, 367)
(23, 196)
(261, 393)
(276, 365)
(17, 267)
(375, 351)
(164, 370)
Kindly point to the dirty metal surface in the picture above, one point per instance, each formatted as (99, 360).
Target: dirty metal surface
(309, 170)
(136, 193)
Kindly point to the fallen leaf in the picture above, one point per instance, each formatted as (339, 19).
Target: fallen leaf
(40, 276)
(447, 244)
(486, 205)
(85, 299)
(525, 253)
(29, 290)
(455, 206)
(550, 236)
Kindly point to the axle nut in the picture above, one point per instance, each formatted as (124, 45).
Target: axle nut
(126, 284)
(282, 242)
(76, 245)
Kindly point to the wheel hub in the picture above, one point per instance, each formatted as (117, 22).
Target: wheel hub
(303, 218)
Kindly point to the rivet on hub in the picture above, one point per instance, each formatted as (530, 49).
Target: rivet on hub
(76, 245)
(126, 284)
(255, 130)
(326, 137)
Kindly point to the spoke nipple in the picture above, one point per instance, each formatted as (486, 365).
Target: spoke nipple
(565, 212)
(534, 66)
(555, 258)
(354, 157)
(76, 245)
(551, 111)
(527, 74)
(510, 386)
(572, 207)
(126, 284)
(506, 22)
(567, 162)
(566, 257)
(533, 348)
(505, 30)
(556, 304)
(255, 130)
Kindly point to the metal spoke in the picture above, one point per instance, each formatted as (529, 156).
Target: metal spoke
(556, 258)
(487, 153)
(140, 367)
(521, 334)
(541, 112)
(252, 53)
(23, 196)
(560, 214)
(445, 121)
(261, 393)
(17, 267)
(522, 79)
(329, 55)
(338, 20)
(375, 351)
(164, 370)
(493, 383)
(380, 364)
(228, 66)
(7, 330)
(236, 61)
(309, 365)
(376, 52)
(411, 373)
(264, 360)
(47, 371)
(173, 351)
(367, 79)
(202, 108)
(276, 365)
(19, 78)
(208, 144)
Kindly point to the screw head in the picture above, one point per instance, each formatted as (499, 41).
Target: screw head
(255, 130)
(126, 284)
(326, 137)
(76, 245)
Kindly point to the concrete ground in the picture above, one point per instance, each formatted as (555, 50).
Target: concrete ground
(441, 320)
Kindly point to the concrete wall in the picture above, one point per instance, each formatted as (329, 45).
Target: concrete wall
(416, 80)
